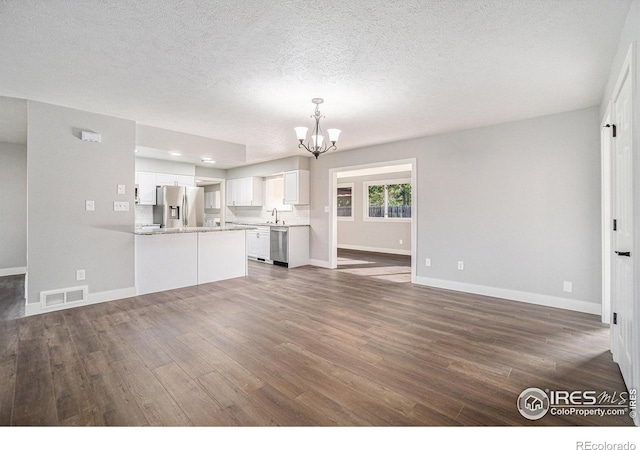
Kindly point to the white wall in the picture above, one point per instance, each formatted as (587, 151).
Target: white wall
(519, 203)
(373, 236)
(64, 171)
(13, 208)
(165, 166)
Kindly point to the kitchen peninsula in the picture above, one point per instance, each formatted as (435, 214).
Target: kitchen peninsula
(171, 258)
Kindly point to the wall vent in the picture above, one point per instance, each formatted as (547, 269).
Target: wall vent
(62, 297)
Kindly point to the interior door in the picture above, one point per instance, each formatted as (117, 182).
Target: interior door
(622, 283)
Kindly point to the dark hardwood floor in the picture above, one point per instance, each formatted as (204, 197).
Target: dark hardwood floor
(381, 266)
(11, 297)
(304, 346)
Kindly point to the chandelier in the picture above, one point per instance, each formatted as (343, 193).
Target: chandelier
(316, 143)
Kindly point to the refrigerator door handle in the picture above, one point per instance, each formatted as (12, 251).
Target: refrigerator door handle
(185, 213)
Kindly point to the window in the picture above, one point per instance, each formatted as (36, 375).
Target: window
(388, 200)
(345, 201)
(274, 194)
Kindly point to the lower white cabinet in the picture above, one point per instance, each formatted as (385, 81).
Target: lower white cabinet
(258, 243)
(171, 261)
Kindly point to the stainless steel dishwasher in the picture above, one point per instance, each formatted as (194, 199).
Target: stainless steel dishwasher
(280, 245)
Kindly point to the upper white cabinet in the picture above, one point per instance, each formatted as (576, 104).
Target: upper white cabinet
(170, 179)
(185, 180)
(146, 182)
(212, 200)
(296, 187)
(245, 192)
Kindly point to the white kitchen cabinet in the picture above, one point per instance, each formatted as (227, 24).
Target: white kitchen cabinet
(212, 200)
(185, 180)
(258, 243)
(146, 182)
(170, 179)
(264, 243)
(252, 244)
(245, 191)
(165, 179)
(296, 187)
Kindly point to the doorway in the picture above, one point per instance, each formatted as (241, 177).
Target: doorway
(214, 200)
(383, 171)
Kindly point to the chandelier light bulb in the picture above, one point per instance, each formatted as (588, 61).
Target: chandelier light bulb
(301, 133)
(334, 133)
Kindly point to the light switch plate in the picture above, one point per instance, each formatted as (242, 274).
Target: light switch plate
(121, 206)
(567, 286)
(427, 262)
(121, 189)
(326, 209)
(90, 205)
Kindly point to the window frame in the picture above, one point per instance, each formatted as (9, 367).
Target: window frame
(353, 203)
(365, 203)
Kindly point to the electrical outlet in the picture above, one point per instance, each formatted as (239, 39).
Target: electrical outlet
(568, 286)
(460, 265)
(121, 206)
(90, 205)
(121, 189)
(400, 241)
(80, 275)
(427, 262)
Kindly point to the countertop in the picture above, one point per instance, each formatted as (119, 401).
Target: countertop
(228, 227)
(267, 224)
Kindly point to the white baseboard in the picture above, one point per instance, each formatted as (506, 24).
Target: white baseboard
(361, 248)
(13, 271)
(519, 296)
(319, 263)
(32, 309)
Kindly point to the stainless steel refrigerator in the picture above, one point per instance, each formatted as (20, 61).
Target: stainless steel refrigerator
(179, 206)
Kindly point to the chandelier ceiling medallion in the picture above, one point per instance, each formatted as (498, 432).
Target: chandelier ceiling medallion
(316, 144)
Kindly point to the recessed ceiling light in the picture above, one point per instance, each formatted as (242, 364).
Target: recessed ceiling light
(208, 161)
(175, 153)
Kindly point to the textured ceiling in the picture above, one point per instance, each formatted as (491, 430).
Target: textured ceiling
(245, 71)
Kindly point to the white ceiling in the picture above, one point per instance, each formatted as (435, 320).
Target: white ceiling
(246, 71)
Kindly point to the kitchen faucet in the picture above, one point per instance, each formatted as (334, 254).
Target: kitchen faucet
(275, 210)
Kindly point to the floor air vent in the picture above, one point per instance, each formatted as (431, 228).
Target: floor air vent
(61, 297)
